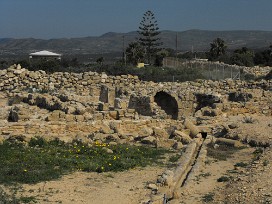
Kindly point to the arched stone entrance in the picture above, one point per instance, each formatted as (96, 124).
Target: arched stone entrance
(167, 103)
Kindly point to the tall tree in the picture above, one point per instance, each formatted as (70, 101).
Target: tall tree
(218, 48)
(149, 32)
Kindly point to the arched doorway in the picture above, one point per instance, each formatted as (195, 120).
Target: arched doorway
(167, 103)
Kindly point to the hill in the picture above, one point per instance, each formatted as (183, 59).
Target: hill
(113, 42)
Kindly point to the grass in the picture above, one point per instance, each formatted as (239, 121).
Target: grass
(174, 158)
(222, 152)
(42, 160)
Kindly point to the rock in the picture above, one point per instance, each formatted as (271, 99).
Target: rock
(184, 138)
(152, 186)
(145, 132)
(160, 133)
(178, 146)
(193, 129)
(233, 125)
(149, 140)
(228, 142)
(106, 129)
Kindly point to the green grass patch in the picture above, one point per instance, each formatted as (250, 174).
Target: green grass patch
(42, 160)
(223, 152)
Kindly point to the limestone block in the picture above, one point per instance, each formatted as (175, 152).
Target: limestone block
(160, 133)
(184, 138)
(229, 142)
(145, 132)
(105, 129)
(114, 115)
(149, 140)
(193, 129)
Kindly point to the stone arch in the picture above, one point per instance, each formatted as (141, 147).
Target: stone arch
(167, 103)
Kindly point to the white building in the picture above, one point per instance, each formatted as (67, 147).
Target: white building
(45, 55)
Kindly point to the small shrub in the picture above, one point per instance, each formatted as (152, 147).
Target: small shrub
(248, 119)
(223, 179)
(265, 162)
(208, 197)
(258, 153)
(241, 164)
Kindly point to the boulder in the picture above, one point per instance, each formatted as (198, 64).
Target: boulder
(193, 129)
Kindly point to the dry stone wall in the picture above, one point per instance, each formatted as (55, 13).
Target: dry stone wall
(91, 106)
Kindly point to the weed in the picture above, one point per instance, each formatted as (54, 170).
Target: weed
(248, 119)
(209, 197)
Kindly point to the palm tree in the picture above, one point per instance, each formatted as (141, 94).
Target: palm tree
(218, 48)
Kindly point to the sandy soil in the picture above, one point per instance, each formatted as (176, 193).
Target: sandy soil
(122, 188)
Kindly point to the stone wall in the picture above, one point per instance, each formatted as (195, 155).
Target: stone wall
(94, 106)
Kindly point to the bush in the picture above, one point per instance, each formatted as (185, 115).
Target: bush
(223, 179)
(208, 197)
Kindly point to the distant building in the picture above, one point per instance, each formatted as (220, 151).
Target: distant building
(44, 55)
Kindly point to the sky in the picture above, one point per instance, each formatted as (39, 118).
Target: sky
(46, 19)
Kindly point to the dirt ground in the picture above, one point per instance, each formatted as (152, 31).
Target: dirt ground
(122, 187)
(250, 184)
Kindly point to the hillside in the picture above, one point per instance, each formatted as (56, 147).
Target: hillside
(113, 42)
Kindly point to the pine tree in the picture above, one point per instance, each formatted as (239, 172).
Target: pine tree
(149, 39)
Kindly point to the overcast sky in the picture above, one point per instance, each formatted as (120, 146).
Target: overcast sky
(80, 18)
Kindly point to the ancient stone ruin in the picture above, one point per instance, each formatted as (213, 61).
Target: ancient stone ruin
(90, 106)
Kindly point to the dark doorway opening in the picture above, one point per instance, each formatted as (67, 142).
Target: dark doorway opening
(204, 134)
(167, 103)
